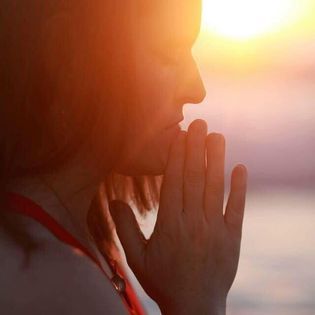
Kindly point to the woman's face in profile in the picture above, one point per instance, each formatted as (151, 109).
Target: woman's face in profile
(166, 77)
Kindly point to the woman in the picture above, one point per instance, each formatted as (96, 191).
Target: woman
(91, 97)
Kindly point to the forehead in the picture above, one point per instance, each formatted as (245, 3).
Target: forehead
(175, 21)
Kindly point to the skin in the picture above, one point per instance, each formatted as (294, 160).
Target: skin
(167, 78)
(195, 242)
(190, 262)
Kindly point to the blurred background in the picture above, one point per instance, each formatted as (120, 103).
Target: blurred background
(257, 59)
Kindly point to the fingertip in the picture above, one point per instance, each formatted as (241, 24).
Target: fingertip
(198, 125)
(240, 170)
(215, 138)
(239, 178)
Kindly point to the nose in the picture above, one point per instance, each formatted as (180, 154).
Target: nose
(190, 89)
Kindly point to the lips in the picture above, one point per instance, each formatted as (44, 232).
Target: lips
(176, 123)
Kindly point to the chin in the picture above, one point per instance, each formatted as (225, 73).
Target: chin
(147, 165)
(152, 159)
(149, 162)
(155, 168)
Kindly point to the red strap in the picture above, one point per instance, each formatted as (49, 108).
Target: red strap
(27, 207)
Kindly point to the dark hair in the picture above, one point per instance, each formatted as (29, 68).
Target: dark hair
(27, 109)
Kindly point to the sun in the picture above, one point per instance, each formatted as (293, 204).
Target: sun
(246, 19)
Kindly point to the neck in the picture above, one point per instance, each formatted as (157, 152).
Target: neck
(65, 195)
(74, 202)
(69, 209)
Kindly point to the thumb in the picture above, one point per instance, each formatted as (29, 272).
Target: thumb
(129, 233)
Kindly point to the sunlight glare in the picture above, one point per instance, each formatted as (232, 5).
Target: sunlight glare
(245, 19)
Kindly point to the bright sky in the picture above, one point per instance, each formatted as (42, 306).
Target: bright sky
(241, 32)
(244, 19)
(257, 60)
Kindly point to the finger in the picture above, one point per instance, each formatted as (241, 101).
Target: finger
(129, 233)
(171, 200)
(195, 168)
(234, 213)
(214, 195)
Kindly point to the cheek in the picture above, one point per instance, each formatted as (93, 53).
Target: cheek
(155, 85)
(147, 140)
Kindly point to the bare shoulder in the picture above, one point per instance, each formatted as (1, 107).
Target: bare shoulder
(54, 279)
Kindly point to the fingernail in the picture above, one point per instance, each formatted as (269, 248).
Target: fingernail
(199, 125)
(217, 137)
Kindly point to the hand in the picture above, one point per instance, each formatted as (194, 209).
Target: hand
(190, 262)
